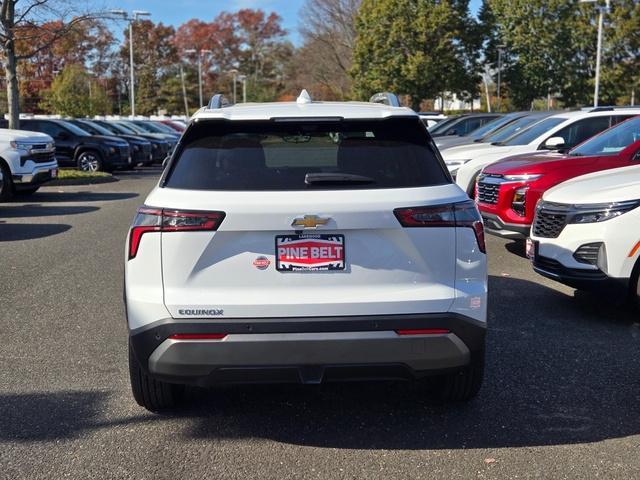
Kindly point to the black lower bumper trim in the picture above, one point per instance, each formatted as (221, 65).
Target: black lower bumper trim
(494, 225)
(581, 279)
(146, 340)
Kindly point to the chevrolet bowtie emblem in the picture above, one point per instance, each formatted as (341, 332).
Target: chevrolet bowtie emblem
(309, 221)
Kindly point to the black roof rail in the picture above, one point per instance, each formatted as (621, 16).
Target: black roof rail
(386, 98)
(218, 101)
(601, 109)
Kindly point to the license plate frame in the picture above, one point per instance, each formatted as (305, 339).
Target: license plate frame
(304, 261)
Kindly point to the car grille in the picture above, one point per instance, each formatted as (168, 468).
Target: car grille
(488, 192)
(550, 220)
(124, 151)
(42, 157)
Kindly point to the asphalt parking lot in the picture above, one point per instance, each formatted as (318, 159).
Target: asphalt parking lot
(561, 397)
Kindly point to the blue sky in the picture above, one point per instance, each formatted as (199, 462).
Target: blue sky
(176, 12)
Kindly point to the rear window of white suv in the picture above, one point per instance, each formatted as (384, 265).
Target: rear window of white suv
(294, 154)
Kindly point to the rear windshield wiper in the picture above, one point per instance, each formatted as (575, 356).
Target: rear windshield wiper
(324, 178)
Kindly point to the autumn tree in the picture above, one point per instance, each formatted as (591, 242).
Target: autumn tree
(76, 93)
(30, 23)
(155, 57)
(323, 62)
(89, 43)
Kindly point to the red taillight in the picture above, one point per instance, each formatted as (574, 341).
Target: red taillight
(462, 214)
(197, 336)
(168, 220)
(423, 331)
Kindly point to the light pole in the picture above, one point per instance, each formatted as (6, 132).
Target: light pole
(234, 72)
(131, 18)
(243, 79)
(500, 50)
(603, 10)
(200, 55)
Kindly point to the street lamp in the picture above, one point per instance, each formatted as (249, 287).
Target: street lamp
(234, 72)
(603, 10)
(243, 79)
(131, 18)
(200, 55)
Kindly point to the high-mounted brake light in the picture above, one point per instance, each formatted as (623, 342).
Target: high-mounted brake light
(462, 214)
(149, 219)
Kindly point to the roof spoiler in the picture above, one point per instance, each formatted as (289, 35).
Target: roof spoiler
(386, 98)
(218, 101)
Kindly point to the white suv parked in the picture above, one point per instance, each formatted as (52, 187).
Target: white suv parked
(305, 242)
(585, 233)
(27, 160)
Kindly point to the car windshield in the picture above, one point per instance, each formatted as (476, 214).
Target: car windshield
(120, 128)
(94, 128)
(443, 125)
(492, 126)
(534, 131)
(511, 129)
(160, 128)
(133, 127)
(263, 155)
(75, 129)
(611, 141)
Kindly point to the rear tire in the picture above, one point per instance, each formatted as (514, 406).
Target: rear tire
(150, 393)
(6, 183)
(464, 384)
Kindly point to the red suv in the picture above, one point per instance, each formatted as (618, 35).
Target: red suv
(507, 191)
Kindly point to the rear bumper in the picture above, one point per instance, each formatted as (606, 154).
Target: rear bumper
(307, 350)
(494, 225)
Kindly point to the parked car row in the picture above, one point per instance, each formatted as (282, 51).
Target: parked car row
(572, 194)
(31, 156)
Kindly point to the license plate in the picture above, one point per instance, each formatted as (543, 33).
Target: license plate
(531, 248)
(54, 173)
(309, 252)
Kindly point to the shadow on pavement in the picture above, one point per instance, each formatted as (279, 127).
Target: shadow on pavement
(559, 374)
(82, 196)
(517, 247)
(11, 232)
(39, 417)
(37, 210)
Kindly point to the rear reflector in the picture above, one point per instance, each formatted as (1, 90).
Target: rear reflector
(197, 336)
(462, 214)
(150, 219)
(423, 331)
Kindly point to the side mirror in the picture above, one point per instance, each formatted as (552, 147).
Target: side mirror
(554, 143)
(63, 136)
(451, 131)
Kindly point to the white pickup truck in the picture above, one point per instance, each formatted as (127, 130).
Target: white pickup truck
(27, 160)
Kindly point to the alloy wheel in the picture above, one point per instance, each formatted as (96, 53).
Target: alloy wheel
(89, 162)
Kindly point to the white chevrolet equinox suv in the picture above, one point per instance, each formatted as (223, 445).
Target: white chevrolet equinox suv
(305, 242)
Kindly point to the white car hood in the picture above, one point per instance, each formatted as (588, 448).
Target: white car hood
(7, 135)
(615, 185)
(466, 152)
